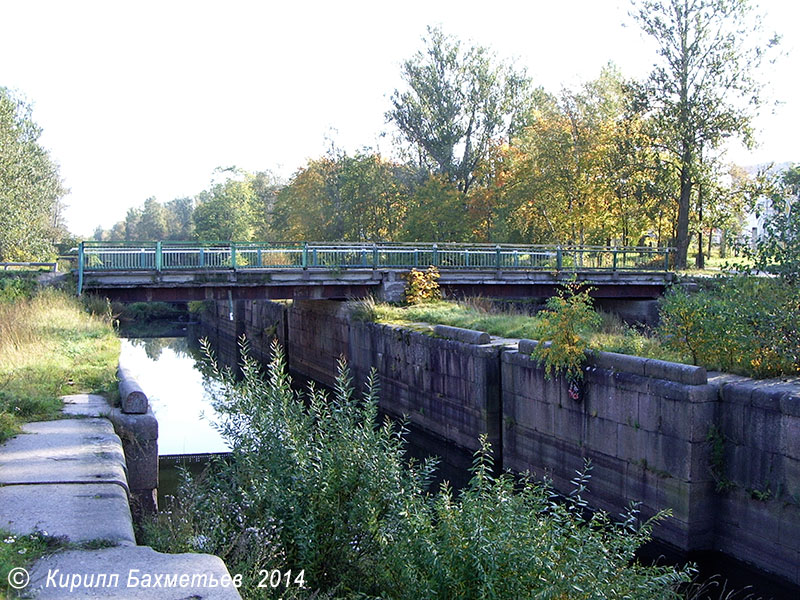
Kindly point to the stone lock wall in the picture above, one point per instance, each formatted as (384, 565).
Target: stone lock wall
(643, 429)
(722, 453)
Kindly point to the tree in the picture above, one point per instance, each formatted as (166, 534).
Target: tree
(778, 249)
(30, 185)
(180, 225)
(459, 100)
(702, 90)
(226, 211)
(153, 221)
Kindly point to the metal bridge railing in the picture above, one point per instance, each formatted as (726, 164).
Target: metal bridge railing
(172, 256)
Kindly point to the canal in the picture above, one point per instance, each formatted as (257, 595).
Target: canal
(169, 370)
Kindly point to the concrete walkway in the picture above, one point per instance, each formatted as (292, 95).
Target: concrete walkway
(69, 478)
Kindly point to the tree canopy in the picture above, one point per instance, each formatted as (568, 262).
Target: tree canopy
(30, 186)
(703, 89)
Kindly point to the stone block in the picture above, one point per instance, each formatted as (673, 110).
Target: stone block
(790, 438)
(676, 418)
(82, 512)
(467, 336)
(139, 435)
(64, 451)
(649, 412)
(85, 405)
(601, 436)
(671, 390)
(132, 398)
(762, 428)
(790, 404)
(687, 374)
(617, 362)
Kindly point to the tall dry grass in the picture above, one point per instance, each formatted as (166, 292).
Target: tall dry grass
(50, 346)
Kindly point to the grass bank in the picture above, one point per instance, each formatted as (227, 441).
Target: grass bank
(51, 344)
(611, 335)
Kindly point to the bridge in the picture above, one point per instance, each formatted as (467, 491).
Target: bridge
(184, 271)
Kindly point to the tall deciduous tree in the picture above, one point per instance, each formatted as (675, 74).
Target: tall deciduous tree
(702, 90)
(30, 186)
(226, 211)
(458, 101)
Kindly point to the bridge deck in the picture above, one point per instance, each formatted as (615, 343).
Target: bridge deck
(198, 271)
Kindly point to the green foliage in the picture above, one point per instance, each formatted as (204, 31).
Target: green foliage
(777, 251)
(19, 551)
(742, 324)
(565, 324)
(227, 210)
(147, 311)
(716, 438)
(315, 483)
(458, 101)
(422, 286)
(13, 289)
(703, 89)
(49, 347)
(30, 186)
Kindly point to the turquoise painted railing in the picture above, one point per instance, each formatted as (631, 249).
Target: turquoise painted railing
(173, 256)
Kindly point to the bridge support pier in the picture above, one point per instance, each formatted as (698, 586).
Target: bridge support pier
(392, 288)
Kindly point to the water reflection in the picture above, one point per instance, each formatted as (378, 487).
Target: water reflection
(167, 372)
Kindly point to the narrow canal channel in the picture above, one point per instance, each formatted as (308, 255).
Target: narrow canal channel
(168, 369)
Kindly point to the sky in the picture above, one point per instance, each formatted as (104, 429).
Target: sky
(141, 99)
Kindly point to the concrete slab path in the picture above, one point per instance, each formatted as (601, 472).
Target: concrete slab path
(69, 478)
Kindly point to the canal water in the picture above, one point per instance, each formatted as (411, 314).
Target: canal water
(169, 371)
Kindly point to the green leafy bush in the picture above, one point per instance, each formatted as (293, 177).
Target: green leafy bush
(566, 323)
(743, 324)
(315, 484)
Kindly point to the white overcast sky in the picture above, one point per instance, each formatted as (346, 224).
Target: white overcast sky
(144, 98)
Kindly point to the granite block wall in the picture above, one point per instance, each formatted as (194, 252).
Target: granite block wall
(651, 429)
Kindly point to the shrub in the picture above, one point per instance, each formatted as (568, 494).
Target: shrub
(314, 483)
(566, 322)
(742, 324)
(422, 286)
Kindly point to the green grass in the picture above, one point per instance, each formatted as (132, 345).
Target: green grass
(611, 336)
(51, 346)
(20, 551)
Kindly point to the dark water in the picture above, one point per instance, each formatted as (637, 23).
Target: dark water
(172, 379)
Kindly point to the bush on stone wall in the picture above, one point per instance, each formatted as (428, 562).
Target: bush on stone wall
(742, 324)
(422, 286)
(316, 484)
(565, 323)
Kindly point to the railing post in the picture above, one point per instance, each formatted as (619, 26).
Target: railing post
(259, 256)
(416, 257)
(375, 256)
(666, 259)
(559, 258)
(497, 256)
(158, 256)
(233, 255)
(202, 257)
(313, 257)
(80, 268)
(613, 260)
(435, 255)
(305, 255)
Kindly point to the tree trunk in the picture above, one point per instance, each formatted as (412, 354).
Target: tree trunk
(700, 260)
(682, 231)
(723, 243)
